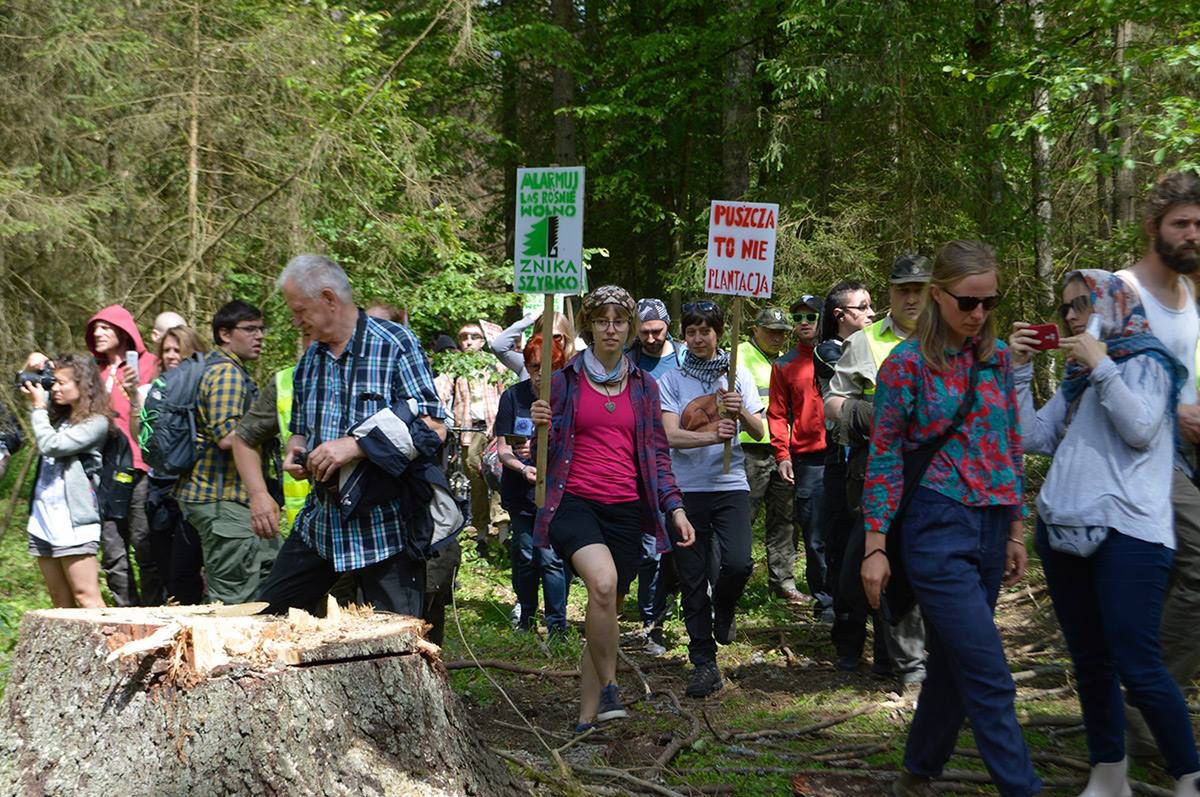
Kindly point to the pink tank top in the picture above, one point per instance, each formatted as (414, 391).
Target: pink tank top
(605, 467)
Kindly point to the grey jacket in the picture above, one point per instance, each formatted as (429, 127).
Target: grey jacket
(78, 445)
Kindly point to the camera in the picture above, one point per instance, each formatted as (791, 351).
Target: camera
(301, 459)
(44, 377)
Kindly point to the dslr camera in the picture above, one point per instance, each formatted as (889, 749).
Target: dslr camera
(44, 377)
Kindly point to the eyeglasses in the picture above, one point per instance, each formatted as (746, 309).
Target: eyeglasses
(1080, 304)
(862, 308)
(618, 324)
(805, 318)
(700, 307)
(253, 329)
(968, 303)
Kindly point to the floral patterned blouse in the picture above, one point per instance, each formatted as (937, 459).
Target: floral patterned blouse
(980, 465)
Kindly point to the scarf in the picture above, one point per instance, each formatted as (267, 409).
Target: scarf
(706, 372)
(598, 373)
(1125, 331)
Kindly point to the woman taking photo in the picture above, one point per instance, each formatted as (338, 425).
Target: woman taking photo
(69, 427)
(609, 475)
(962, 534)
(1104, 530)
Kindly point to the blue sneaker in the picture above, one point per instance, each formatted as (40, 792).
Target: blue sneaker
(611, 707)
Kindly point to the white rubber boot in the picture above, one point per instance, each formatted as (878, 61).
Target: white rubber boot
(1188, 785)
(1108, 780)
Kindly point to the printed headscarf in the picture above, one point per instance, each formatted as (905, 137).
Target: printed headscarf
(1124, 330)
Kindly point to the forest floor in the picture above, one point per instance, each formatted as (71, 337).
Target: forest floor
(786, 723)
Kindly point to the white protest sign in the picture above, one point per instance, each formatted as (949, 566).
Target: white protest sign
(549, 230)
(741, 248)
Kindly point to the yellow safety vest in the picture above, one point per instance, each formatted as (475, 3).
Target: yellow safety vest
(759, 367)
(294, 492)
(880, 342)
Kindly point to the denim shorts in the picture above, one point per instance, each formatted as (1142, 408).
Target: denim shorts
(39, 547)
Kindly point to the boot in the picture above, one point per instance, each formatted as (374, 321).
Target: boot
(1108, 780)
(1188, 785)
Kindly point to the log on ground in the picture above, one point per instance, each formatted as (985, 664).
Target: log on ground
(199, 701)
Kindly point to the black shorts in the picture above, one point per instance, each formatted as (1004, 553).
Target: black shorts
(579, 522)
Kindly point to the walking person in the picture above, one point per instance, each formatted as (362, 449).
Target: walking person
(700, 412)
(949, 389)
(1104, 518)
(70, 424)
(609, 477)
(531, 566)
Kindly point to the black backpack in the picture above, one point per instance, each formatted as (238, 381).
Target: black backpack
(168, 434)
(115, 488)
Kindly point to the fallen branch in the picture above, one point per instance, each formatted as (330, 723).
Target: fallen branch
(1034, 672)
(820, 726)
(565, 786)
(646, 690)
(620, 774)
(671, 750)
(499, 664)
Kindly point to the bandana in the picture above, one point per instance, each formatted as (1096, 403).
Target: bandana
(601, 375)
(653, 310)
(706, 372)
(609, 294)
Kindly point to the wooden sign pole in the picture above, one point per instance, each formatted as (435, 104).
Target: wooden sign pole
(543, 432)
(735, 333)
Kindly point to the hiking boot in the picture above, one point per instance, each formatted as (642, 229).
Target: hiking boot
(706, 679)
(847, 663)
(724, 625)
(792, 596)
(611, 707)
(910, 785)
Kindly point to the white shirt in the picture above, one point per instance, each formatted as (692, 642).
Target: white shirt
(1177, 329)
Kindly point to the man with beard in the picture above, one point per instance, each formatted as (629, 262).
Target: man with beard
(1173, 226)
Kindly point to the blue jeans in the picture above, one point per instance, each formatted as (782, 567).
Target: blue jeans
(648, 579)
(530, 564)
(955, 557)
(1109, 606)
(808, 514)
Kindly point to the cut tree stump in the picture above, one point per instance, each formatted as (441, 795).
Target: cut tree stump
(211, 700)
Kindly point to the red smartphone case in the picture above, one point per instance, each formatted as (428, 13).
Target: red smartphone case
(1047, 336)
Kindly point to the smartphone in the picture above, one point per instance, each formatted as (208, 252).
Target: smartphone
(131, 361)
(1093, 326)
(1047, 336)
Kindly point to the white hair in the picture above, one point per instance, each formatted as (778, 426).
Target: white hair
(311, 274)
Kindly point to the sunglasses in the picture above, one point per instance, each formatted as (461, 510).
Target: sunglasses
(1080, 304)
(700, 307)
(968, 303)
(805, 318)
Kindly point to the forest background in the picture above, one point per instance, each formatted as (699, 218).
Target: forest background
(172, 155)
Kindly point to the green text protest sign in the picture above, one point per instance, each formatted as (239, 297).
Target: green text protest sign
(549, 230)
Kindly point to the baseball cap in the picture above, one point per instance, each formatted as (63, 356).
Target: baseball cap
(772, 318)
(807, 302)
(910, 268)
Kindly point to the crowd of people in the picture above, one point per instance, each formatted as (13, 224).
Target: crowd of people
(886, 452)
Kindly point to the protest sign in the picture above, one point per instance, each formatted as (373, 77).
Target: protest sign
(549, 230)
(741, 248)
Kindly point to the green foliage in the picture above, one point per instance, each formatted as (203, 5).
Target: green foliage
(472, 365)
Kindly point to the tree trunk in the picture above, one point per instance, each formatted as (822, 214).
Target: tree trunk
(737, 112)
(1123, 209)
(193, 196)
(1043, 250)
(563, 90)
(181, 700)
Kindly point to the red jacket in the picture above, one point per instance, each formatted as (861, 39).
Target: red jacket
(117, 316)
(795, 411)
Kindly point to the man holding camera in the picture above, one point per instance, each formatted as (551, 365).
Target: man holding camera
(213, 497)
(361, 368)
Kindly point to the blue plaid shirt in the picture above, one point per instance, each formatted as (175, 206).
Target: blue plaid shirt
(390, 369)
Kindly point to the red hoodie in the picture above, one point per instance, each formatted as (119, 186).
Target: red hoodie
(118, 317)
(795, 411)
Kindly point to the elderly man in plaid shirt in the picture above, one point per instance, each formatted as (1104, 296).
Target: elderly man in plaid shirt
(212, 496)
(358, 367)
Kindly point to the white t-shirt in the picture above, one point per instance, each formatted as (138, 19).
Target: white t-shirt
(699, 470)
(1177, 329)
(50, 517)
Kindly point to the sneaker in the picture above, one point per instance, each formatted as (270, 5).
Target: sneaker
(584, 727)
(725, 625)
(910, 785)
(706, 679)
(653, 648)
(611, 707)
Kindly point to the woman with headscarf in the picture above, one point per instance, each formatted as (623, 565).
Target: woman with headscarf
(609, 476)
(1104, 529)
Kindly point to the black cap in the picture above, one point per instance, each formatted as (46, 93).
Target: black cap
(911, 268)
(807, 302)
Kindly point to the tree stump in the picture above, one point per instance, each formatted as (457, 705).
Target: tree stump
(201, 701)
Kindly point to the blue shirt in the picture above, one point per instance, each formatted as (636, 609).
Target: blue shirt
(332, 394)
(512, 419)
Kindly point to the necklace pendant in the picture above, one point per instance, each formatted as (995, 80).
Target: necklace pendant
(610, 406)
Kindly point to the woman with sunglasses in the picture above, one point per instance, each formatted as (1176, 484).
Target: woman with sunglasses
(1104, 530)
(962, 534)
(609, 476)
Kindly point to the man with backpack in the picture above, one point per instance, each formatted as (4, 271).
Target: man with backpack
(212, 495)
